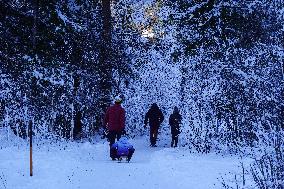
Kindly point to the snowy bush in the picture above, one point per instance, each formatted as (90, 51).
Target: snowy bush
(268, 169)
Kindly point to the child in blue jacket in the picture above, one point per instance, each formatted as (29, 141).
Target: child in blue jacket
(121, 148)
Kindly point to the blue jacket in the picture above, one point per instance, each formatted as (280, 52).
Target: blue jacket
(122, 146)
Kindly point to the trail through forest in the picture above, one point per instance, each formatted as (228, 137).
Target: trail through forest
(85, 165)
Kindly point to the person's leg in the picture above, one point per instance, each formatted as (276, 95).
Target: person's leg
(111, 137)
(152, 136)
(173, 140)
(113, 153)
(155, 135)
(176, 140)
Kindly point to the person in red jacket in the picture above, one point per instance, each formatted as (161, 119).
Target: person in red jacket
(114, 121)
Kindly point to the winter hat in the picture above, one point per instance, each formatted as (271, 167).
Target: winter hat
(176, 109)
(154, 106)
(118, 99)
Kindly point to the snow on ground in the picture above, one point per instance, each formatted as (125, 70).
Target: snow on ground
(73, 165)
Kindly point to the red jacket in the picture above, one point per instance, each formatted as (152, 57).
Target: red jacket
(115, 118)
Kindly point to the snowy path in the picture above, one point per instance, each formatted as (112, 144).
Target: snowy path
(88, 166)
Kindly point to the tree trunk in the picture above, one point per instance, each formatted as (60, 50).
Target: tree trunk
(77, 130)
(35, 6)
(105, 58)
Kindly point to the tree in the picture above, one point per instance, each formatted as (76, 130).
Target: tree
(105, 67)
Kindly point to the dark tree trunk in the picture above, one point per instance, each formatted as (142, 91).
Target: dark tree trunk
(77, 130)
(35, 5)
(2, 110)
(33, 85)
(105, 58)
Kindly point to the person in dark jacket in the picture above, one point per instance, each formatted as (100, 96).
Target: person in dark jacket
(155, 117)
(175, 121)
(114, 121)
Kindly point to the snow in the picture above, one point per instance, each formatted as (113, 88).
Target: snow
(66, 21)
(71, 165)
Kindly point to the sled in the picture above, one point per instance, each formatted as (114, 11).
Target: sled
(123, 157)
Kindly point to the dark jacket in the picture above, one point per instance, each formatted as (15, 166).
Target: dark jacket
(154, 116)
(175, 121)
(115, 118)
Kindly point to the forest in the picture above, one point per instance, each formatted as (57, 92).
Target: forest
(62, 62)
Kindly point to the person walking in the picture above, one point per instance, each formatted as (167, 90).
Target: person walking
(114, 121)
(175, 121)
(155, 117)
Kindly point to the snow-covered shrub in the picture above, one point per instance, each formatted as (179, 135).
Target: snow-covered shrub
(266, 171)
(268, 168)
(55, 99)
(12, 105)
(68, 102)
(235, 181)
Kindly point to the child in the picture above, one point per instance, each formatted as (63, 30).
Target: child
(121, 148)
(175, 121)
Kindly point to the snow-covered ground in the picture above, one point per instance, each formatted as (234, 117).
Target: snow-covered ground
(85, 165)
